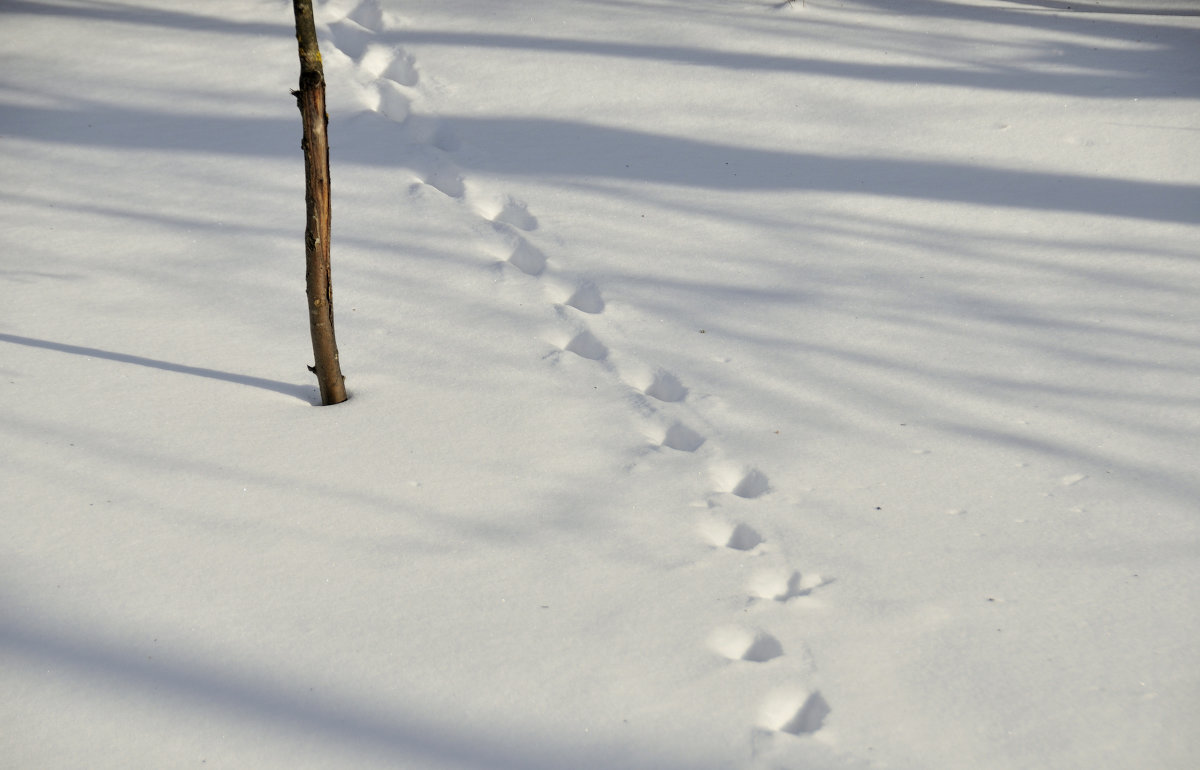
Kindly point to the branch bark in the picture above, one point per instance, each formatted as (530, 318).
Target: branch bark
(310, 98)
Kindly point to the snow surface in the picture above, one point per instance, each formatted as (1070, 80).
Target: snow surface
(734, 384)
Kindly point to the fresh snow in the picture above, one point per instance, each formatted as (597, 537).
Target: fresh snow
(734, 384)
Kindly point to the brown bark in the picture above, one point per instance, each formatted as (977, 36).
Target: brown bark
(311, 99)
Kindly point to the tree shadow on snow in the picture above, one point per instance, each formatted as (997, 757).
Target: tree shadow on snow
(324, 723)
(543, 148)
(152, 17)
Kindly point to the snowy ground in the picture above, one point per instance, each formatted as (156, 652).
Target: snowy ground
(734, 384)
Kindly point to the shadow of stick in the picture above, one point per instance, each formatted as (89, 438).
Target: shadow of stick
(302, 392)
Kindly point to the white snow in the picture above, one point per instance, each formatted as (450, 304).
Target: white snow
(734, 384)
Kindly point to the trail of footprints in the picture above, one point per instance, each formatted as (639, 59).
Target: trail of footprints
(388, 79)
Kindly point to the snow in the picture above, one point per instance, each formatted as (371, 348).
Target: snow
(734, 384)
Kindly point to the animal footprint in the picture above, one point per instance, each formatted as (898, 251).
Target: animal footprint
(738, 643)
(528, 259)
(744, 538)
(350, 37)
(782, 584)
(390, 101)
(682, 438)
(753, 484)
(586, 345)
(516, 213)
(740, 537)
(794, 711)
(389, 63)
(666, 387)
(367, 13)
(587, 298)
(447, 181)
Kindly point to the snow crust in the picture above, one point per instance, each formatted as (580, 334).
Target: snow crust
(734, 384)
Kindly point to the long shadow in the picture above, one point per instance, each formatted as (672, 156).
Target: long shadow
(344, 725)
(1122, 10)
(150, 17)
(303, 392)
(543, 148)
(97, 124)
(636, 156)
(1136, 78)
(1122, 73)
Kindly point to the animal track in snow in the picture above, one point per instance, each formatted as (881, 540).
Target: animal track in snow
(587, 299)
(682, 438)
(782, 584)
(586, 345)
(390, 71)
(368, 14)
(738, 643)
(737, 537)
(388, 63)
(513, 212)
(743, 482)
(753, 484)
(385, 73)
(390, 101)
(350, 37)
(381, 72)
(666, 387)
(527, 258)
(795, 711)
(386, 77)
(743, 537)
(446, 180)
